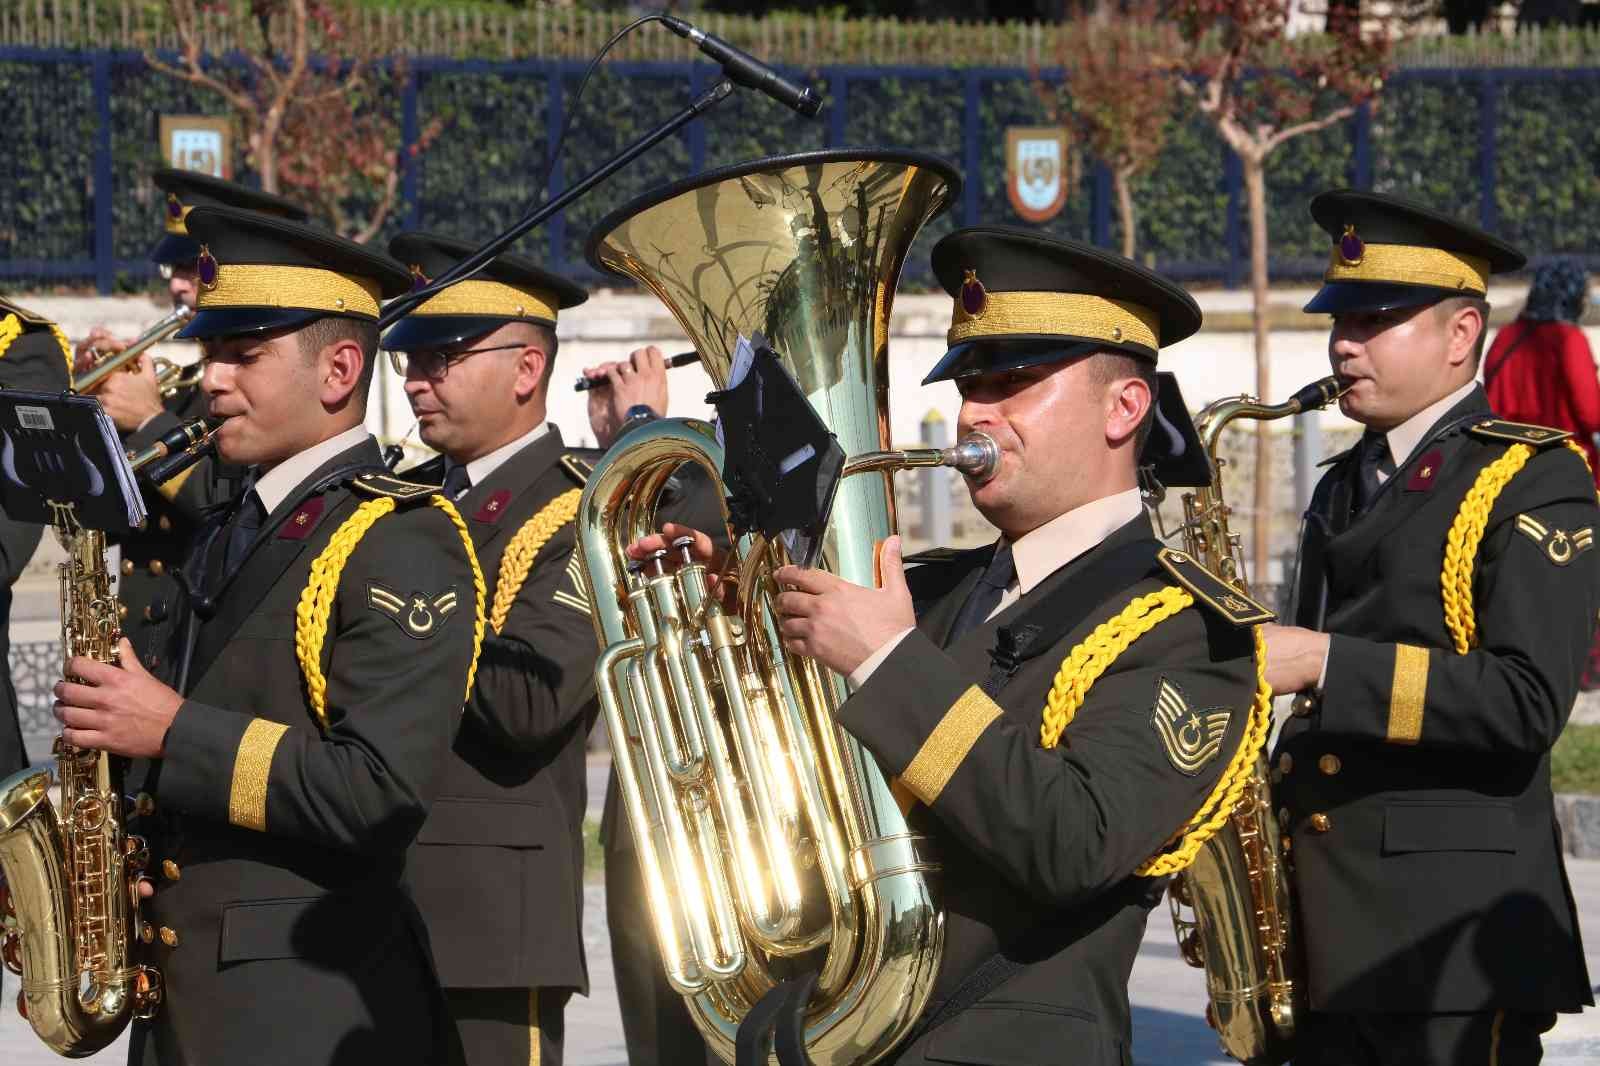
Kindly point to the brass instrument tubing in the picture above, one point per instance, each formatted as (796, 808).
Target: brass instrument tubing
(103, 368)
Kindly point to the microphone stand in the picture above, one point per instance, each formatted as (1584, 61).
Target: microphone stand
(402, 306)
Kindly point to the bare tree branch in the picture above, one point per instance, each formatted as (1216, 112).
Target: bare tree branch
(1289, 132)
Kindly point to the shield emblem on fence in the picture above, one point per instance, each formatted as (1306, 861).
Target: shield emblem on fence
(1036, 171)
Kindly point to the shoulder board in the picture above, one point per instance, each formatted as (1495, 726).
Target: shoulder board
(577, 467)
(377, 485)
(1518, 432)
(1211, 590)
(28, 317)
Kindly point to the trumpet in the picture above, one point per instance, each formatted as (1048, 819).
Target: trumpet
(169, 375)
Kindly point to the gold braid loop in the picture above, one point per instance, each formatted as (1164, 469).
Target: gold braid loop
(1581, 454)
(10, 330)
(1461, 545)
(316, 599)
(66, 346)
(1084, 665)
(518, 558)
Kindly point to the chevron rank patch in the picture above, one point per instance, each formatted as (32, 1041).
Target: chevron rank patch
(1559, 545)
(1192, 738)
(1518, 432)
(1211, 590)
(418, 615)
(577, 597)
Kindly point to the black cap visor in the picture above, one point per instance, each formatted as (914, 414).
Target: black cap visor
(238, 321)
(420, 332)
(992, 354)
(1338, 297)
(175, 250)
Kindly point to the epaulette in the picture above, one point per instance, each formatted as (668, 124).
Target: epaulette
(377, 485)
(1211, 590)
(1518, 432)
(29, 318)
(577, 468)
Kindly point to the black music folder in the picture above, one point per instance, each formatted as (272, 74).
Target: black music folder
(60, 451)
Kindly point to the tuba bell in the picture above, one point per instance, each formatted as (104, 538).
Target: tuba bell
(770, 843)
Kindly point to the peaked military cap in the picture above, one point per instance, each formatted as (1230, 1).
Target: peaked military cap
(511, 288)
(257, 273)
(1022, 299)
(1391, 253)
(188, 189)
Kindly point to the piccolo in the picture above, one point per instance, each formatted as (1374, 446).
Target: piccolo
(584, 384)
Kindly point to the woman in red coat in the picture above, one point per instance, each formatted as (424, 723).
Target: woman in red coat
(1540, 368)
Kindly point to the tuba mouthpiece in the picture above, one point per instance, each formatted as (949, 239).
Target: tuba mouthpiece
(977, 456)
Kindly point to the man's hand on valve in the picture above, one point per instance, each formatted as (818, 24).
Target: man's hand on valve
(841, 624)
(131, 398)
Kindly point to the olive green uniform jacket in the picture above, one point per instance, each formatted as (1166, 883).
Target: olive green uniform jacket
(282, 926)
(1038, 847)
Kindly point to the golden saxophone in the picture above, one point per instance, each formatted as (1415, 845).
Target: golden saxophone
(71, 912)
(768, 839)
(170, 376)
(1242, 930)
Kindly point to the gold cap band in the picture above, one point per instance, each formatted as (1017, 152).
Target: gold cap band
(1409, 264)
(178, 226)
(476, 296)
(1063, 314)
(306, 288)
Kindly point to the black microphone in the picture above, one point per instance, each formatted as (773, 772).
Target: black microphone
(747, 70)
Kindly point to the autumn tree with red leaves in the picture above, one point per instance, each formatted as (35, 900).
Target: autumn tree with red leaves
(1117, 95)
(307, 108)
(1259, 88)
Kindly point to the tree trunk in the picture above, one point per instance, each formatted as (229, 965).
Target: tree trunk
(1255, 186)
(1122, 178)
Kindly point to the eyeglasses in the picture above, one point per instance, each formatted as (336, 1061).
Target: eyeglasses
(435, 363)
(168, 269)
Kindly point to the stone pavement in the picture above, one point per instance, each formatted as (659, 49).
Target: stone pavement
(1168, 1029)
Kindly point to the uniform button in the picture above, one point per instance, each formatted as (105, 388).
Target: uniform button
(1321, 822)
(1286, 762)
(169, 870)
(122, 611)
(127, 566)
(149, 612)
(144, 805)
(1283, 816)
(165, 524)
(1329, 764)
(157, 567)
(147, 933)
(1303, 705)
(1288, 843)
(169, 937)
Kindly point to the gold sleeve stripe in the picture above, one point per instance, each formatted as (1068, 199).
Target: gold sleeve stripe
(947, 746)
(1058, 314)
(1407, 694)
(252, 766)
(307, 288)
(494, 298)
(1412, 265)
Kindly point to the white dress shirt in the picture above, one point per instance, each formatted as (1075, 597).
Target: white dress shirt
(274, 486)
(480, 468)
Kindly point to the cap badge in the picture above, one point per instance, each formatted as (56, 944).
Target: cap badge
(174, 207)
(1351, 248)
(419, 280)
(205, 268)
(974, 297)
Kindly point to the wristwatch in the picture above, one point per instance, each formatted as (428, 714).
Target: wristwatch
(636, 416)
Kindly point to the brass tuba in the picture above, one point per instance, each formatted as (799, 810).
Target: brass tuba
(71, 916)
(1242, 930)
(769, 841)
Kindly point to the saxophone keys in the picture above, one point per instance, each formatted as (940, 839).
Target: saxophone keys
(137, 853)
(147, 933)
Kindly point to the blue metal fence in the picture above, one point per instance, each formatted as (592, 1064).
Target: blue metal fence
(79, 208)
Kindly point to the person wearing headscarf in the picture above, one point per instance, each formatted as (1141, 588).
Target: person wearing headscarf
(1541, 369)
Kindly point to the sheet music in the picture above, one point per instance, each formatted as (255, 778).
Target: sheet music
(63, 449)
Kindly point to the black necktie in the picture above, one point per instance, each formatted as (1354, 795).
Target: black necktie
(456, 482)
(242, 530)
(1373, 458)
(985, 595)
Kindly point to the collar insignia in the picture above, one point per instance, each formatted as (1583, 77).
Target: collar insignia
(418, 615)
(1191, 737)
(299, 525)
(1560, 546)
(494, 508)
(1425, 472)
